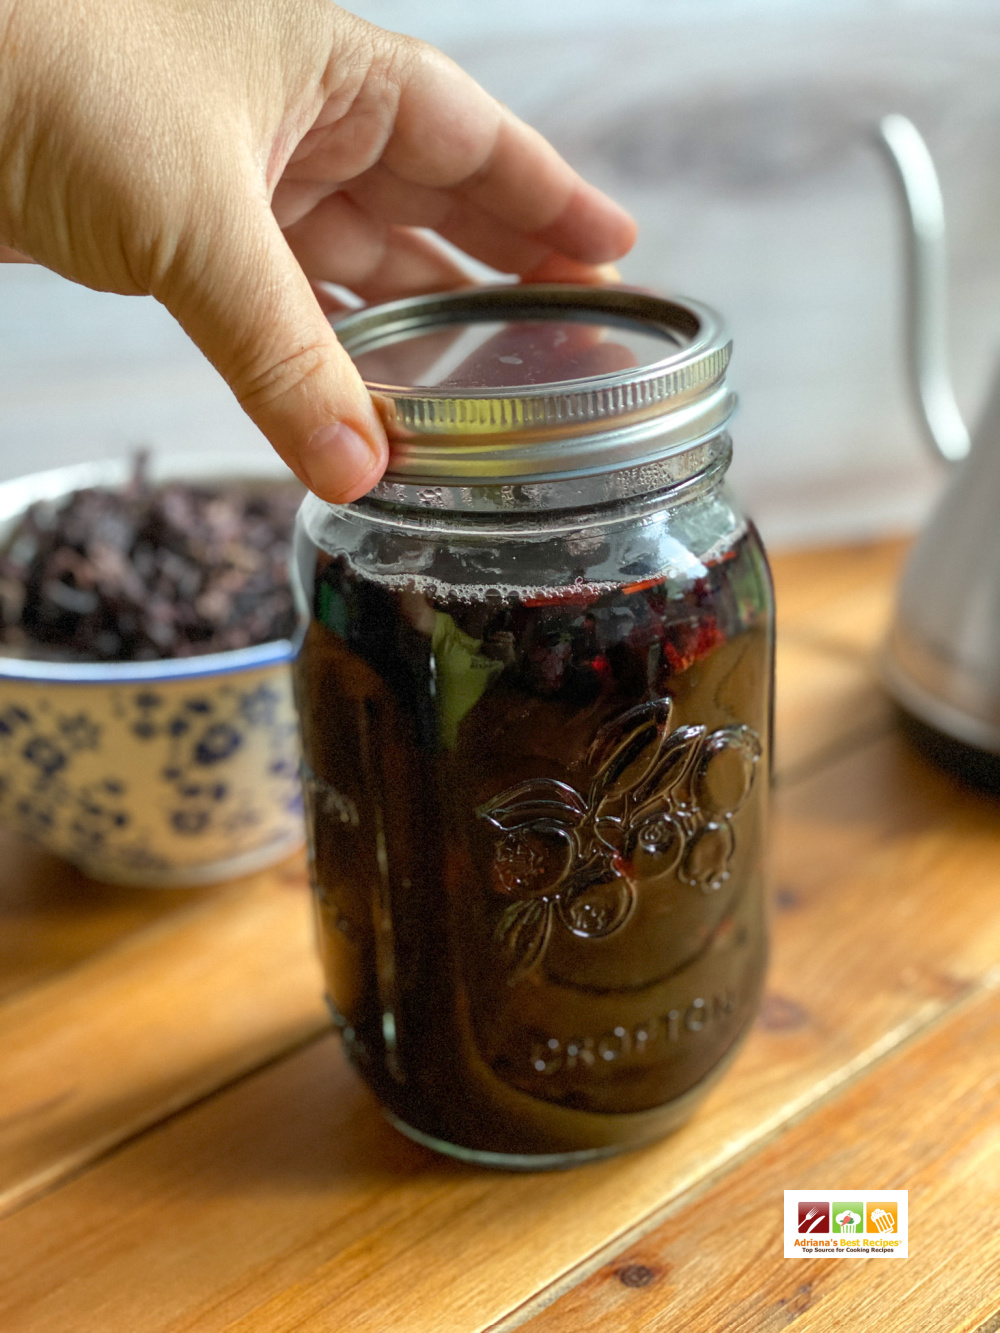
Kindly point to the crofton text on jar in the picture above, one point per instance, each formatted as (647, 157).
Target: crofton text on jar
(535, 693)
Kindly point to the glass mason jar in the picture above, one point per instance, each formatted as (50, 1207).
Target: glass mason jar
(535, 692)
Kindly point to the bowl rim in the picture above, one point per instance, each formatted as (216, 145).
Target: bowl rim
(20, 492)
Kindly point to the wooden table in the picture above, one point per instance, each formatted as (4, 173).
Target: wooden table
(183, 1147)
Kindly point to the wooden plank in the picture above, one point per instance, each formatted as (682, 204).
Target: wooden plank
(834, 608)
(842, 594)
(925, 1121)
(63, 1100)
(827, 701)
(52, 917)
(284, 1202)
(149, 1025)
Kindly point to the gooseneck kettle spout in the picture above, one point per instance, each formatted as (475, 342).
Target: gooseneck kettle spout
(926, 288)
(942, 659)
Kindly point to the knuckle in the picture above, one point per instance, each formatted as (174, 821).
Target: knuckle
(403, 63)
(261, 386)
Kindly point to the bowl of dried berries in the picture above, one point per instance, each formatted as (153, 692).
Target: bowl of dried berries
(147, 725)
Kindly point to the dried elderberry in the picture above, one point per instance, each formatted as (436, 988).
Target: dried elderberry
(147, 572)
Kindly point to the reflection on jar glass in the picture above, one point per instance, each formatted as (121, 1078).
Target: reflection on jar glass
(535, 694)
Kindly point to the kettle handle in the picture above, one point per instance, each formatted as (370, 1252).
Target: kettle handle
(926, 288)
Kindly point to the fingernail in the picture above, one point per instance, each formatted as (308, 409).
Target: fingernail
(340, 464)
(608, 273)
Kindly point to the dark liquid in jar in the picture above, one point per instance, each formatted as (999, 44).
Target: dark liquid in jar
(536, 828)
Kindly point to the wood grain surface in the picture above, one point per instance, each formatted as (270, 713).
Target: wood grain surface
(279, 1199)
(716, 1266)
(830, 704)
(152, 1021)
(295, 1199)
(838, 595)
(52, 917)
(832, 613)
(121, 1032)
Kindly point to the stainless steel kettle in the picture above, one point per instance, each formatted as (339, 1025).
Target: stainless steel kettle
(942, 659)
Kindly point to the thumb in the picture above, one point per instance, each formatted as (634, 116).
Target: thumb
(239, 293)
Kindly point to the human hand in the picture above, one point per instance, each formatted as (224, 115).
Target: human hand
(220, 154)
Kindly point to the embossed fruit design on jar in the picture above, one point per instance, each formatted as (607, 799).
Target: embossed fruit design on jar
(535, 694)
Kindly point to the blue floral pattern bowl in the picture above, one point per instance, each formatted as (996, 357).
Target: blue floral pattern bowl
(171, 773)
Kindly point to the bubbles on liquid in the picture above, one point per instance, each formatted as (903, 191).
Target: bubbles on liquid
(675, 564)
(441, 589)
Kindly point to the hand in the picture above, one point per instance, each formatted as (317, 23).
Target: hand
(220, 154)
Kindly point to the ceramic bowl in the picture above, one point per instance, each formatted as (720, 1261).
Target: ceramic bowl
(164, 774)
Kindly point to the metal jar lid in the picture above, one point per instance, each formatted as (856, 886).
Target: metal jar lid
(526, 385)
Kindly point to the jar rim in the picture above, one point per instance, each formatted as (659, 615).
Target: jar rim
(519, 511)
(461, 433)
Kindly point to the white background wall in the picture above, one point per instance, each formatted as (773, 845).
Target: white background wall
(738, 132)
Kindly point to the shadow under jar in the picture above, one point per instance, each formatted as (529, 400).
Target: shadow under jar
(535, 693)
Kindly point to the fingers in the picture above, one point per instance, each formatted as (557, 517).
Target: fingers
(527, 187)
(590, 227)
(247, 304)
(557, 268)
(450, 135)
(450, 158)
(340, 242)
(381, 195)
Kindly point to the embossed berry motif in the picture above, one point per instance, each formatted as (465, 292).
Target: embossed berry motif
(659, 805)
